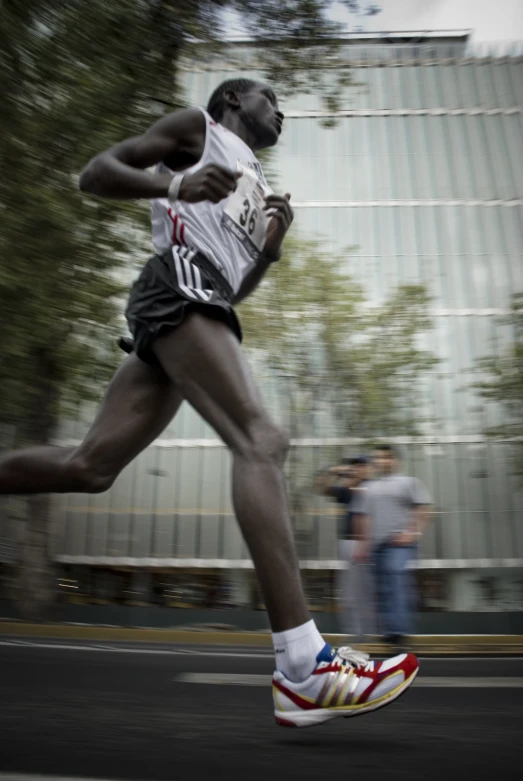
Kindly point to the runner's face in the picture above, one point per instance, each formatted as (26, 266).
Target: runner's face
(261, 115)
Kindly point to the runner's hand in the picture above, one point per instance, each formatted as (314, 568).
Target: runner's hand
(211, 183)
(279, 223)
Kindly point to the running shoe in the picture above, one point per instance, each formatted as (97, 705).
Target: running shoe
(344, 683)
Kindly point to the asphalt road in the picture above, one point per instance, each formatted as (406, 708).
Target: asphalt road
(145, 712)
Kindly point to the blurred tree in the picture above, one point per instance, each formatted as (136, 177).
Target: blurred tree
(76, 77)
(73, 79)
(502, 383)
(314, 326)
(333, 354)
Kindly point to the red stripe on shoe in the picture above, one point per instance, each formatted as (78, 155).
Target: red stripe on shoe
(406, 667)
(332, 668)
(364, 696)
(295, 698)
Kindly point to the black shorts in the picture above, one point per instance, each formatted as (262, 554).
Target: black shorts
(170, 286)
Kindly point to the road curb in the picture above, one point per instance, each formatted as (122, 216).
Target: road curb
(422, 644)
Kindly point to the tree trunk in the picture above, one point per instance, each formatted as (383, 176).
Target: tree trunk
(35, 580)
(34, 588)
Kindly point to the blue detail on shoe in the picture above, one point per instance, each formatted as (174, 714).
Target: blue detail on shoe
(326, 654)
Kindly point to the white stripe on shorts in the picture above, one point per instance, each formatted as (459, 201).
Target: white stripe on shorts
(188, 275)
(180, 277)
(204, 294)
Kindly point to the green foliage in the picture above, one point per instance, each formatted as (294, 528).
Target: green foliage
(314, 326)
(331, 352)
(502, 383)
(304, 55)
(76, 77)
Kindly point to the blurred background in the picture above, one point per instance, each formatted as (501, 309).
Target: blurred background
(395, 315)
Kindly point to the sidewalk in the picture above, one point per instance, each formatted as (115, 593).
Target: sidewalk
(426, 645)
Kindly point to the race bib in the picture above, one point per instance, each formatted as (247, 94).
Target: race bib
(244, 215)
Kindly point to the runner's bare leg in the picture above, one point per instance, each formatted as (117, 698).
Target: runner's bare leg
(211, 372)
(205, 359)
(139, 403)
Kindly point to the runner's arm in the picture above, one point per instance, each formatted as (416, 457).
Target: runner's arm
(119, 172)
(178, 139)
(253, 279)
(279, 224)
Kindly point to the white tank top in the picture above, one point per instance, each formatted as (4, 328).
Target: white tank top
(232, 233)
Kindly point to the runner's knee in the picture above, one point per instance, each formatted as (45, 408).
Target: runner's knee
(266, 443)
(90, 474)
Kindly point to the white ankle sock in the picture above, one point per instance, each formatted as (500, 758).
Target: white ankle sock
(296, 650)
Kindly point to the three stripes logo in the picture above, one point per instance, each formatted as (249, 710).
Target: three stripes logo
(189, 275)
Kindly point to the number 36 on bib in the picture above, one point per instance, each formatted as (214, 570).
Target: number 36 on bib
(244, 215)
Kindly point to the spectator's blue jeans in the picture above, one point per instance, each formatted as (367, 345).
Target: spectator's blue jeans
(395, 588)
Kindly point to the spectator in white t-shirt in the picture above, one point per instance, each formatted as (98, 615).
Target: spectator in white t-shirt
(391, 516)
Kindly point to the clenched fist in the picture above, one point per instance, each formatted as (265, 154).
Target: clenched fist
(210, 183)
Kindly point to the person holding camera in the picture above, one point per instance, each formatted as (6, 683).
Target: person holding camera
(343, 483)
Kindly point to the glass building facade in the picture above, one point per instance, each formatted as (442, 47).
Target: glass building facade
(423, 175)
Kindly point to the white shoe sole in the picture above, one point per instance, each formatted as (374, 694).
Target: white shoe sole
(310, 718)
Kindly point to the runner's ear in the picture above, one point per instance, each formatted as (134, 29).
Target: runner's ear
(232, 99)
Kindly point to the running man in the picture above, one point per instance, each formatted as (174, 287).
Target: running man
(217, 228)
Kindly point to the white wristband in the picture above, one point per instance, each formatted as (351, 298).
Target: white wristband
(174, 187)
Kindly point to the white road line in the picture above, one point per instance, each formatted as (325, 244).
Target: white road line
(233, 679)
(152, 651)
(21, 643)
(468, 683)
(106, 649)
(36, 777)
